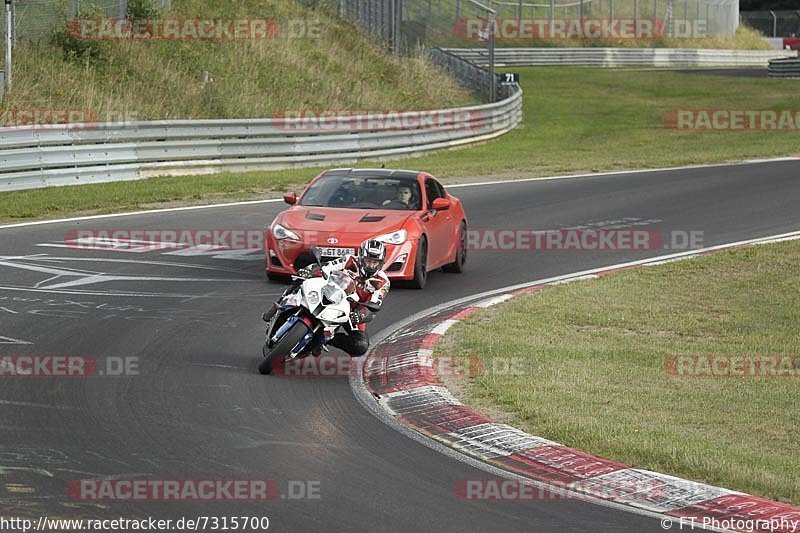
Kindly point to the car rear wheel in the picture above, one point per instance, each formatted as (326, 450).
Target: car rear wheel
(420, 266)
(458, 265)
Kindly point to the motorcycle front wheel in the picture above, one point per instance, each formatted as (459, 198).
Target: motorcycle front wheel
(283, 347)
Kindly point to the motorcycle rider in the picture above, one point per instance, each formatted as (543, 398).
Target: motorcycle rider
(372, 285)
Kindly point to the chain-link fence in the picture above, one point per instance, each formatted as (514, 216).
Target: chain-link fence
(680, 18)
(35, 20)
(774, 23)
(412, 26)
(409, 25)
(452, 23)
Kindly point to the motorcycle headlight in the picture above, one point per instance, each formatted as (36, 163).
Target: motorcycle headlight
(396, 237)
(281, 233)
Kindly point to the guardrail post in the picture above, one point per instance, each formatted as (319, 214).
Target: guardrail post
(774, 24)
(9, 41)
(798, 16)
(686, 12)
(492, 80)
(668, 19)
(697, 17)
(13, 23)
(429, 22)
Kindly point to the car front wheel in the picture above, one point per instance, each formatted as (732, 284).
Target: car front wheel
(458, 265)
(420, 266)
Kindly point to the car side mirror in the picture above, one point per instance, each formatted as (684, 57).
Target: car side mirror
(290, 198)
(441, 204)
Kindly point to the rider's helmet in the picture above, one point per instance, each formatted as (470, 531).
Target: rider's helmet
(371, 257)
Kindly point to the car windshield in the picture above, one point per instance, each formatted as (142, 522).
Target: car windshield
(364, 192)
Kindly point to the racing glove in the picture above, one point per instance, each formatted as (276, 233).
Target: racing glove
(361, 317)
(309, 271)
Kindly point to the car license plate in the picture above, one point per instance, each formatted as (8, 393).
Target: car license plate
(337, 252)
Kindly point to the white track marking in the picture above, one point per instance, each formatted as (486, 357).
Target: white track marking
(10, 340)
(146, 212)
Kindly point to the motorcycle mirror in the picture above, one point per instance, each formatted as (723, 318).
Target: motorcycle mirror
(318, 257)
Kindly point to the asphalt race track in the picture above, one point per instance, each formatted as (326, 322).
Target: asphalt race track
(199, 410)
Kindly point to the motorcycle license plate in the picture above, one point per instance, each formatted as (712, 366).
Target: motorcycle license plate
(337, 252)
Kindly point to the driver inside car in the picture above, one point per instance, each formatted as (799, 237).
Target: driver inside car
(403, 200)
(372, 285)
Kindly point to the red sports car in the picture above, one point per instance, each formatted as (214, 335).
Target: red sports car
(422, 226)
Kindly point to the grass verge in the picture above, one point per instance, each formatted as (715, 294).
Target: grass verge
(324, 63)
(592, 357)
(576, 119)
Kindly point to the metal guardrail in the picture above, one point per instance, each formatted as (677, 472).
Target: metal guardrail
(784, 68)
(625, 57)
(468, 74)
(34, 157)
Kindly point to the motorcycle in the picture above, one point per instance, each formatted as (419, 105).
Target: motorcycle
(309, 317)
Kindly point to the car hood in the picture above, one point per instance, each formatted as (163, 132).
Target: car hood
(343, 221)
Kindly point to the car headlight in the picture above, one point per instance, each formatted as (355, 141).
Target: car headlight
(281, 233)
(396, 237)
